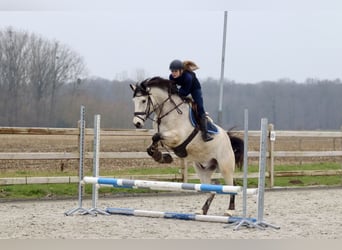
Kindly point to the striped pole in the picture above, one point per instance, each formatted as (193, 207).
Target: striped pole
(169, 186)
(173, 215)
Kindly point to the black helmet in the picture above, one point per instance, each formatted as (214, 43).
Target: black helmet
(176, 64)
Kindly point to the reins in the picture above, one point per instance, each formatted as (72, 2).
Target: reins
(160, 106)
(176, 107)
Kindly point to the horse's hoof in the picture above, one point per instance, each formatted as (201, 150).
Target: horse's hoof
(167, 158)
(229, 213)
(149, 151)
(157, 156)
(199, 212)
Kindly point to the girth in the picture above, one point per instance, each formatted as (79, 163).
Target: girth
(180, 150)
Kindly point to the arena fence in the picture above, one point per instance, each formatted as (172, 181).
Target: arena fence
(273, 135)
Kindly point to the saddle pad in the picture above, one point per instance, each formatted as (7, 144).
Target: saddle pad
(212, 128)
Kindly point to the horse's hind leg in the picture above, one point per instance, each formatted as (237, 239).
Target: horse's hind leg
(211, 197)
(227, 170)
(231, 205)
(207, 203)
(232, 200)
(205, 173)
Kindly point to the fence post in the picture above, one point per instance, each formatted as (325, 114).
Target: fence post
(270, 160)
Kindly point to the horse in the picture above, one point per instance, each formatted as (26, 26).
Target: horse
(176, 131)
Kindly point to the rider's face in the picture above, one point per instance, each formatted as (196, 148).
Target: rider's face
(176, 73)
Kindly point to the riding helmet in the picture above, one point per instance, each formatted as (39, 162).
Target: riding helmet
(176, 65)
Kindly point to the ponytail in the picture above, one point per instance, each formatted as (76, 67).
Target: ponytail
(190, 66)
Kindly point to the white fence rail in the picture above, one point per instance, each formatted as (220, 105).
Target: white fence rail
(183, 176)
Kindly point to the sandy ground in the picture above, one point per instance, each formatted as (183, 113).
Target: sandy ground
(301, 214)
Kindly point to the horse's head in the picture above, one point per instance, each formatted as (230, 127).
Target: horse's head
(146, 95)
(142, 102)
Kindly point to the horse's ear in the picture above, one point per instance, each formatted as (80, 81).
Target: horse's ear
(133, 87)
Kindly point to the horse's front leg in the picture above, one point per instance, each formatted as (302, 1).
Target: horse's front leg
(156, 154)
(152, 148)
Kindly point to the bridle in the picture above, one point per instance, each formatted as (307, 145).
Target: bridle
(153, 107)
(147, 113)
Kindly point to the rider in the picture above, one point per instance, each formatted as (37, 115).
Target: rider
(182, 73)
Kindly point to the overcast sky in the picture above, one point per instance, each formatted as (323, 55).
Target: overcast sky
(266, 40)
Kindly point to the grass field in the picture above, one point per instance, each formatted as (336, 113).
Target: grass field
(48, 191)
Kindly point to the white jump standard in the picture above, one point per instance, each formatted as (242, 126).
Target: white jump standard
(169, 186)
(80, 208)
(96, 167)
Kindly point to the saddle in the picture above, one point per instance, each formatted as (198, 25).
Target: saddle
(194, 117)
(180, 150)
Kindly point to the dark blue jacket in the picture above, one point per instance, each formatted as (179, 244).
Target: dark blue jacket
(188, 82)
(190, 85)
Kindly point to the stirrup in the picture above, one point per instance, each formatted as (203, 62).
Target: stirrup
(207, 137)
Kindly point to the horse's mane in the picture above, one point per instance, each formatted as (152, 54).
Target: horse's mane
(159, 82)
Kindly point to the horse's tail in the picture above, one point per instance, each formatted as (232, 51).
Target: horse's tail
(238, 148)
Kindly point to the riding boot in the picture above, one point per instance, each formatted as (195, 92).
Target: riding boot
(204, 129)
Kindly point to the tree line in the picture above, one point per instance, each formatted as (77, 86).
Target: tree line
(43, 84)
(289, 106)
(32, 72)
(312, 105)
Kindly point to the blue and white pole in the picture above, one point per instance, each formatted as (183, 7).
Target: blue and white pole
(173, 215)
(169, 186)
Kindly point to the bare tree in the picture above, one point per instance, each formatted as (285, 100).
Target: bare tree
(40, 69)
(67, 68)
(13, 61)
(32, 70)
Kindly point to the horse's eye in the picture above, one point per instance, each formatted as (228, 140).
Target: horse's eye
(143, 101)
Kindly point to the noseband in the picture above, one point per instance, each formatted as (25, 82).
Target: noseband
(147, 111)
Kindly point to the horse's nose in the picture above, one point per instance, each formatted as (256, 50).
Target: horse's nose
(138, 125)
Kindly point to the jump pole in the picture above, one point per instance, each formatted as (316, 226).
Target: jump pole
(168, 186)
(178, 216)
(80, 208)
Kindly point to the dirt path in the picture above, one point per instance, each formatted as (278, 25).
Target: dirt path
(309, 214)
